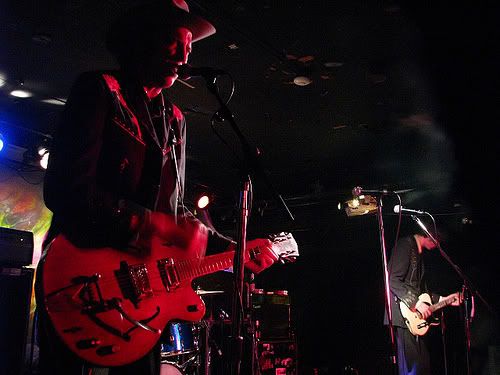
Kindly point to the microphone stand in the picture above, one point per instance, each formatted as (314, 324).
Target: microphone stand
(387, 290)
(467, 288)
(249, 167)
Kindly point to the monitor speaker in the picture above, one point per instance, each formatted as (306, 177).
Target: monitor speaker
(16, 286)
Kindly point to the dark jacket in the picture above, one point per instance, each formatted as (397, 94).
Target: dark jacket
(406, 278)
(105, 165)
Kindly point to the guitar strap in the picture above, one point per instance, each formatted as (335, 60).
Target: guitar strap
(129, 120)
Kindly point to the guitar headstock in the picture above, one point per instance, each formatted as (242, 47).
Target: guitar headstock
(285, 247)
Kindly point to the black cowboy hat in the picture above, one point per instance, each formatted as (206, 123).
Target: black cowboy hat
(134, 24)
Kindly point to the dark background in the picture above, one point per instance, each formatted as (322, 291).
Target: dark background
(409, 105)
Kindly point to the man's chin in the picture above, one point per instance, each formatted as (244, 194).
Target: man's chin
(169, 81)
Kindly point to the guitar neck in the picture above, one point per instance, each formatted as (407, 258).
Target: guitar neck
(441, 304)
(192, 268)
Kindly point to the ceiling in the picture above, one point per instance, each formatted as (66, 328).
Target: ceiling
(397, 98)
(400, 98)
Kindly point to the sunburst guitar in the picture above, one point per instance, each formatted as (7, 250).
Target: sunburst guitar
(109, 307)
(416, 325)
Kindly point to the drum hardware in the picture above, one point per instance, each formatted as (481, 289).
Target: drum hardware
(202, 348)
(202, 292)
(179, 338)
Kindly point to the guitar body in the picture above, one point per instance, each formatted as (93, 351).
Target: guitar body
(417, 325)
(109, 306)
(93, 296)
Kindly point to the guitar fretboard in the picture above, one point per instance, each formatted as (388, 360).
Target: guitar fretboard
(442, 304)
(191, 268)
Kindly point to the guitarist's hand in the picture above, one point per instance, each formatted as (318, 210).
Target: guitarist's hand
(189, 234)
(456, 299)
(423, 309)
(259, 255)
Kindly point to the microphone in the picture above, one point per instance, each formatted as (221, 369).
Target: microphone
(398, 209)
(358, 190)
(187, 71)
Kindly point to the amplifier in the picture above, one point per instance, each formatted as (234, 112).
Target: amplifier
(16, 247)
(272, 314)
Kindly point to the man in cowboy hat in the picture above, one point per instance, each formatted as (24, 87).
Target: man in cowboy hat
(116, 173)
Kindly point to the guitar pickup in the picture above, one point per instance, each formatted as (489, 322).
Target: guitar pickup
(168, 273)
(134, 281)
(422, 325)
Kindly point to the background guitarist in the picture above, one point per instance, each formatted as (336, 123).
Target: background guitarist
(407, 282)
(117, 167)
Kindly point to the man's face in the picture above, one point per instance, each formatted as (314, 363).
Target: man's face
(160, 68)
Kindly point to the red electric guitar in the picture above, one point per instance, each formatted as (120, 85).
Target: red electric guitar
(110, 307)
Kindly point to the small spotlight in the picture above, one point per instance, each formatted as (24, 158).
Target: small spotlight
(1, 142)
(302, 80)
(203, 201)
(44, 153)
(54, 101)
(44, 161)
(21, 93)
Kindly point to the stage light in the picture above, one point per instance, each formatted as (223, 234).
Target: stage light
(54, 101)
(44, 153)
(203, 201)
(21, 93)
(360, 205)
(203, 197)
(1, 142)
(37, 156)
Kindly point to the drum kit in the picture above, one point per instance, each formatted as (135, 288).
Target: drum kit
(199, 348)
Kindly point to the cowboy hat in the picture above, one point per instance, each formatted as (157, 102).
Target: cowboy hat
(132, 25)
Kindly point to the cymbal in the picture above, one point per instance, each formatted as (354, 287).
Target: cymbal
(202, 292)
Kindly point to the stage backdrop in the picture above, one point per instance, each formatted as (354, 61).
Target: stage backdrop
(21, 203)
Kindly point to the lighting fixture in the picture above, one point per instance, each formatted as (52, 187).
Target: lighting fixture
(21, 93)
(302, 80)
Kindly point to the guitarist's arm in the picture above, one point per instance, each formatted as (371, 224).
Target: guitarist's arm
(456, 298)
(262, 255)
(399, 266)
(191, 233)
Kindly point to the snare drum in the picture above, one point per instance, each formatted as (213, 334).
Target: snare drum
(179, 338)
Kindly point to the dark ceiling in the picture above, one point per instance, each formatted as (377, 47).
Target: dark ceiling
(400, 98)
(398, 92)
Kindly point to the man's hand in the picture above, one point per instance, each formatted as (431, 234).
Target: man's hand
(455, 297)
(260, 255)
(423, 309)
(160, 229)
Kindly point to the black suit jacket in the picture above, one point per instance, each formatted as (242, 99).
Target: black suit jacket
(104, 167)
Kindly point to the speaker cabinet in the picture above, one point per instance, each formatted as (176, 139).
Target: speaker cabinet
(272, 314)
(15, 299)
